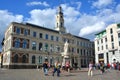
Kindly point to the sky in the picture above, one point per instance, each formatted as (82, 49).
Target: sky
(83, 18)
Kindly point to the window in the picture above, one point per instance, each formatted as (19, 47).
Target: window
(102, 47)
(15, 58)
(77, 50)
(112, 38)
(68, 41)
(24, 43)
(113, 52)
(57, 48)
(101, 56)
(40, 59)
(61, 24)
(33, 45)
(118, 35)
(40, 46)
(81, 52)
(46, 47)
(72, 49)
(112, 45)
(111, 31)
(97, 42)
(105, 39)
(33, 59)
(25, 32)
(57, 38)
(52, 38)
(80, 43)
(46, 36)
(17, 43)
(84, 52)
(106, 46)
(101, 40)
(24, 59)
(17, 30)
(34, 34)
(40, 35)
(119, 43)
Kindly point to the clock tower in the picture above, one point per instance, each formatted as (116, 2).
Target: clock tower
(60, 21)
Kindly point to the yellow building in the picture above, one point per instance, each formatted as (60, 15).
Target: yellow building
(27, 45)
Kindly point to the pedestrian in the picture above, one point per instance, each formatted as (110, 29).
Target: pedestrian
(45, 68)
(57, 67)
(67, 66)
(90, 69)
(102, 67)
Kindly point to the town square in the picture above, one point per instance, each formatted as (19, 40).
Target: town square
(34, 74)
(60, 40)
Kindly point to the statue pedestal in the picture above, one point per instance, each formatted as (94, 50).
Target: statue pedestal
(65, 59)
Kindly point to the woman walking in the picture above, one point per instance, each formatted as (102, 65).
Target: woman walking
(90, 69)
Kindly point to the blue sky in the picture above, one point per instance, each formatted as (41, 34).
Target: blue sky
(82, 17)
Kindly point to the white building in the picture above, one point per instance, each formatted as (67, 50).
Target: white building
(27, 45)
(107, 44)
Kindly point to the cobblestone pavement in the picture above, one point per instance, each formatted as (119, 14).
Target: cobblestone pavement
(34, 74)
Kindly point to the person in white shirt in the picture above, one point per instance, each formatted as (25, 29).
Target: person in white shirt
(90, 69)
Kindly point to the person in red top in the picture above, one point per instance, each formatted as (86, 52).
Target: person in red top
(108, 65)
(67, 65)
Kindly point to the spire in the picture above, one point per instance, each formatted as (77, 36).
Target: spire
(60, 9)
(60, 20)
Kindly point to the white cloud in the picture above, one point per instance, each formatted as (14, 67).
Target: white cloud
(76, 22)
(44, 17)
(5, 19)
(102, 3)
(70, 11)
(92, 28)
(37, 3)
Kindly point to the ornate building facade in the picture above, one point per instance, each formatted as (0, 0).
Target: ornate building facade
(27, 45)
(107, 45)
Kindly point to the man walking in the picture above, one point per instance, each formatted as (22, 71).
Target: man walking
(45, 68)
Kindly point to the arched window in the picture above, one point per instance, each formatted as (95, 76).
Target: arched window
(24, 43)
(24, 59)
(46, 47)
(33, 59)
(33, 45)
(40, 59)
(15, 58)
(17, 43)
